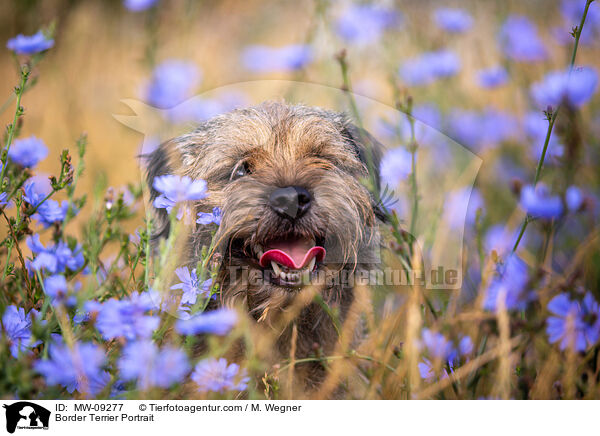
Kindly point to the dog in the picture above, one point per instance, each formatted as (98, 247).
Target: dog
(291, 183)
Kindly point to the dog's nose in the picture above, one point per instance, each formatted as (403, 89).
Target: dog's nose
(290, 202)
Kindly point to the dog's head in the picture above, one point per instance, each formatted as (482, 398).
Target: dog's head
(290, 183)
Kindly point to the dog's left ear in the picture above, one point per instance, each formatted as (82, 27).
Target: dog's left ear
(369, 151)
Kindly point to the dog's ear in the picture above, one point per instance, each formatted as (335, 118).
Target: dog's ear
(157, 164)
(369, 151)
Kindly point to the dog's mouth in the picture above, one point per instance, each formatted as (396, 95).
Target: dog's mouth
(293, 259)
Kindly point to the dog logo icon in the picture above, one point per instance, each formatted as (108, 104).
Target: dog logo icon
(26, 415)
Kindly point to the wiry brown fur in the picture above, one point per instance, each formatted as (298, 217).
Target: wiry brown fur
(282, 145)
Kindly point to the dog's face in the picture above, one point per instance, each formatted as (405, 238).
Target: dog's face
(288, 180)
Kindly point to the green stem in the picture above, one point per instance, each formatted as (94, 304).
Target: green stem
(11, 130)
(551, 121)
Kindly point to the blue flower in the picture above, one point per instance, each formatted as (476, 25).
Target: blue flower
(574, 88)
(519, 40)
(144, 362)
(216, 322)
(453, 20)
(3, 196)
(16, 327)
(27, 152)
(56, 258)
(191, 286)
(509, 286)
(574, 198)
(538, 202)
(207, 218)
(364, 24)
(126, 318)
(172, 82)
(395, 166)
(176, 189)
(26, 45)
(139, 5)
(219, 376)
(567, 327)
(48, 211)
(591, 316)
(492, 77)
(79, 368)
(429, 67)
(264, 59)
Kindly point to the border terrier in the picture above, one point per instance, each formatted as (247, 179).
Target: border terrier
(296, 214)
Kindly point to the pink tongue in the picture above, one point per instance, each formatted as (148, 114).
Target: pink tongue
(293, 254)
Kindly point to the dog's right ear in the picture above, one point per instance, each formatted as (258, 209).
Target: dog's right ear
(157, 164)
(369, 150)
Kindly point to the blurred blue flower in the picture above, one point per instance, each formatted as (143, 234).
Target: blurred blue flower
(453, 20)
(26, 45)
(427, 123)
(519, 40)
(428, 114)
(538, 202)
(219, 376)
(139, 5)
(492, 77)
(536, 128)
(216, 322)
(199, 109)
(264, 59)
(56, 287)
(125, 318)
(16, 328)
(502, 239)
(460, 207)
(429, 67)
(509, 286)
(436, 344)
(151, 367)
(27, 152)
(574, 88)
(395, 166)
(176, 189)
(463, 350)
(574, 198)
(465, 346)
(364, 24)
(572, 11)
(567, 326)
(55, 258)
(465, 127)
(207, 218)
(79, 368)
(426, 370)
(482, 130)
(191, 286)
(3, 196)
(172, 82)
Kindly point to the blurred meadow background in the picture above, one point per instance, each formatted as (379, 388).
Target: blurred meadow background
(490, 75)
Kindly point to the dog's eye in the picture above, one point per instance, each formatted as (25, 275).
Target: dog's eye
(242, 169)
